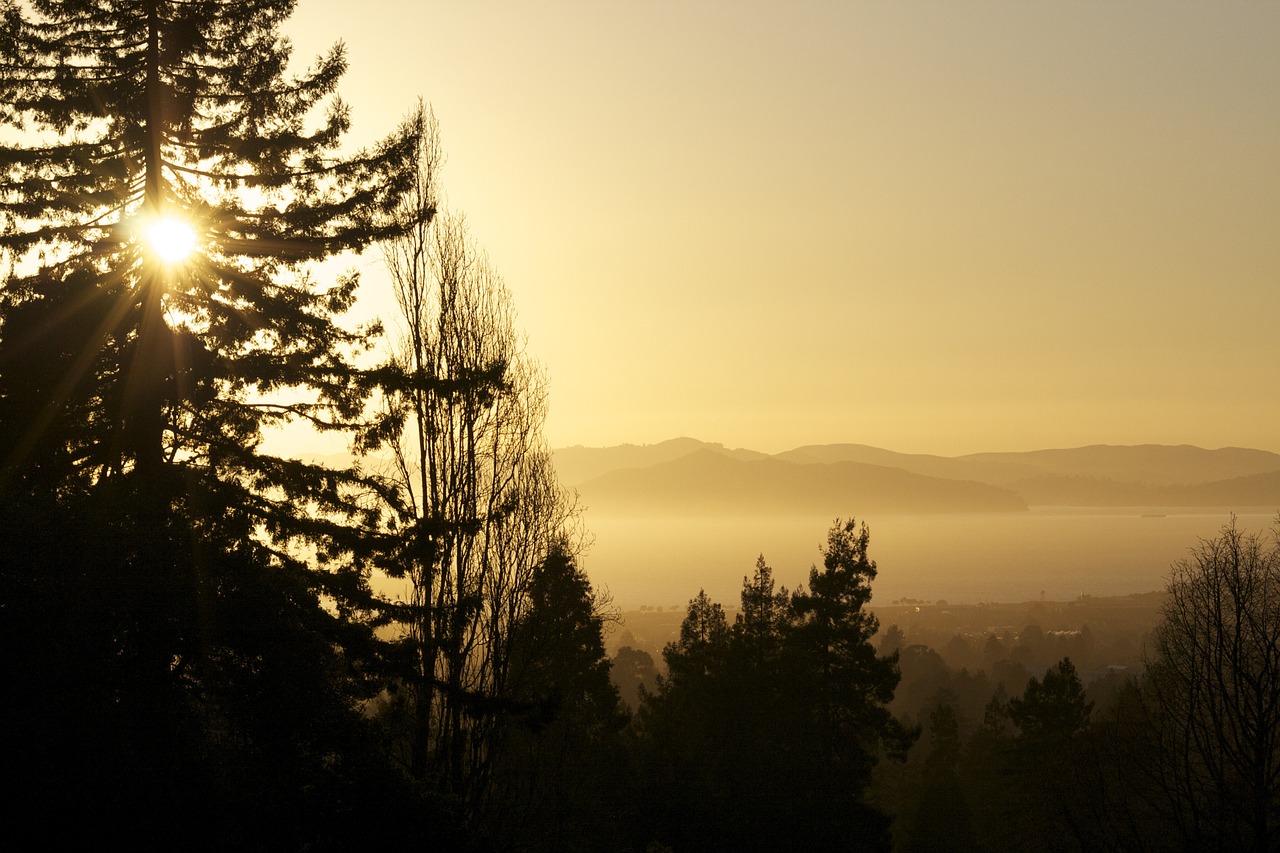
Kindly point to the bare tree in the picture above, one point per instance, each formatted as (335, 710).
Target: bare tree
(480, 505)
(1213, 693)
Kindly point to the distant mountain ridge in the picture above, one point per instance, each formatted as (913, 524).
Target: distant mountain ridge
(686, 475)
(578, 464)
(709, 482)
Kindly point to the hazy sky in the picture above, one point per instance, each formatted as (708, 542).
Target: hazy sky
(936, 227)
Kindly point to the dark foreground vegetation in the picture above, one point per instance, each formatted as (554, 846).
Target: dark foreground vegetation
(196, 655)
(1163, 740)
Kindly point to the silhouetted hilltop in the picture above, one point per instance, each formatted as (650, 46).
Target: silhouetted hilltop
(716, 483)
(1251, 490)
(996, 471)
(1156, 464)
(689, 475)
(578, 464)
(1254, 490)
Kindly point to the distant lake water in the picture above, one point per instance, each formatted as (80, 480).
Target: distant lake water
(1057, 552)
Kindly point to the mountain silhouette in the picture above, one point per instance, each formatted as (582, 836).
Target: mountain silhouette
(579, 464)
(709, 482)
(690, 476)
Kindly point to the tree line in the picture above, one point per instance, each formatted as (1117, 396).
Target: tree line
(1179, 756)
(200, 648)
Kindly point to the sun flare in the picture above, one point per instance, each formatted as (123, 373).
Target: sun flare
(171, 239)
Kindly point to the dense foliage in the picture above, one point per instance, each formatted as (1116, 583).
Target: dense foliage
(1179, 755)
(791, 698)
(218, 670)
(204, 605)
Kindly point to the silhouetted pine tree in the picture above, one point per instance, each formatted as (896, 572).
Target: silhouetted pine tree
(845, 687)
(763, 736)
(195, 685)
(558, 763)
(685, 796)
(1049, 766)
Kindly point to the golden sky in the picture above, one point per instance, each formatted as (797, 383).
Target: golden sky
(940, 227)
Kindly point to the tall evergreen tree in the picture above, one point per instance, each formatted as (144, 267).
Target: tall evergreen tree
(686, 800)
(144, 113)
(846, 688)
(763, 736)
(1050, 768)
(759, 627)
(173, 556)
(1052, 710)
(558, 757)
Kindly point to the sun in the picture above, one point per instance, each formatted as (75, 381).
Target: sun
(171, 239)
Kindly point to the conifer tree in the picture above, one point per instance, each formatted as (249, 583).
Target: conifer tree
(558, 751)
(1049, 766)
(763, 736)
(150, 118)
(759, 627)
(846, 688)
(176, 558)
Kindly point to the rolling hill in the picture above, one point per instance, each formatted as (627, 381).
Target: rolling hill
(707, 482)
(689, 476)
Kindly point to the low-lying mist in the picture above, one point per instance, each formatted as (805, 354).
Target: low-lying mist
(1057, 553)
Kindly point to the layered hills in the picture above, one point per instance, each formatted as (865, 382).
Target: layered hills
(689, 476)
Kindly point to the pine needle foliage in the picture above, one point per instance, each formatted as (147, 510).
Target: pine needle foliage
(210, 600)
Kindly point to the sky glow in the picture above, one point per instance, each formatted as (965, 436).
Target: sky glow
(932, 227)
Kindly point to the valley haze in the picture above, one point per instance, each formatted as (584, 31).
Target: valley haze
(671, 518)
